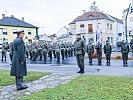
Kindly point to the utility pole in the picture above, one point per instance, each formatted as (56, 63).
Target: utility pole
(126, 23)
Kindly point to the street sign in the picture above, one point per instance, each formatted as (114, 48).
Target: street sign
(119, 34)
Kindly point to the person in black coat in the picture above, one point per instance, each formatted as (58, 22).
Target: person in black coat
(18, 68)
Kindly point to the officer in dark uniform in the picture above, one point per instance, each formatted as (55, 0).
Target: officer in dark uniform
(98, 48)
(18, 68)
(107, 52)
(124, 51)
(79, 52)
(90, 51)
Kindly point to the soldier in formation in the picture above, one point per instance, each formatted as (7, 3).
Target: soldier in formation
(11, 51)
(107, 52)
(79, 52)
(90, 51)
(124, 51)
(5, 48)
(98, 48)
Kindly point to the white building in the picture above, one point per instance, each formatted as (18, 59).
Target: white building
(96, 26)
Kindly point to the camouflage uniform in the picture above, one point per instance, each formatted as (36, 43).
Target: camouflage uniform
(98, 48)
(107, 52)
(45, 51)
(58, 50)
(62, 50)
(11, 51)
(5, 47)
(90, 51)
(79, 52)
(124, 51)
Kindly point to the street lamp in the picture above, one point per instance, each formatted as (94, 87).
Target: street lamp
(126, 23)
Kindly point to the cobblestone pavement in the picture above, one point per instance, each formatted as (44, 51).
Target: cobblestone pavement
(10, 93)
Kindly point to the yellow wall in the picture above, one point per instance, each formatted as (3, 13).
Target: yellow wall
(10, 36)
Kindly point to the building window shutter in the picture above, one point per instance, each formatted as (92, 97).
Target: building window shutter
(90, 29)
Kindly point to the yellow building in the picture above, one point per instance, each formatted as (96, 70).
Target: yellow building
(9, 25)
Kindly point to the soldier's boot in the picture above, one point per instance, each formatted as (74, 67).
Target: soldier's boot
(90, 62)
(79, 71)
(99, 61)
(58, 60)
(5, 57)
(124, 62)
(2, 58)
(82, 71)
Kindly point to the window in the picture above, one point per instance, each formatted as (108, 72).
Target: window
(110, 26)
(5, 31)
(29, 32)
(90, 29)
(131, 19)
(1, 31)
(14, 31)
(81, 25)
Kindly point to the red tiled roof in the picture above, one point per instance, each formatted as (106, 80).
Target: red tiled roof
(92, 15)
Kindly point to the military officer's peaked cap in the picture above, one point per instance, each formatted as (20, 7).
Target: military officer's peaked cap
(78, 34)
(19, 32)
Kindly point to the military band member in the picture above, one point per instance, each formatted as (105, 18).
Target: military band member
(40, 50)
(27, 50)
(45, 51)
(58, 50)
(79, 52)
(90, 51)
(50, 51)
(54, 52)
(11, 51)
(62, 50)
(5, 47)
(107, 52)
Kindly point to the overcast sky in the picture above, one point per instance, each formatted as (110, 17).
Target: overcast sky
(52, 15)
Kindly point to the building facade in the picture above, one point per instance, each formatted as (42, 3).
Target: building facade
(9, 25)
(96, 26)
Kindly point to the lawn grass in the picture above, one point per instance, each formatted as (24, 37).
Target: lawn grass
(6, 79)
(87, 87)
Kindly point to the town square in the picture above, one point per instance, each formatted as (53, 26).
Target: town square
(58, 50)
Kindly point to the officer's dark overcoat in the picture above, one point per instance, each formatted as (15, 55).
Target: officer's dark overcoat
(18, 69)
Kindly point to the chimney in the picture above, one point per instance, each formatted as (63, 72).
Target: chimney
(12, 15)
(3, 15)
(84, 11)
(22, 18)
